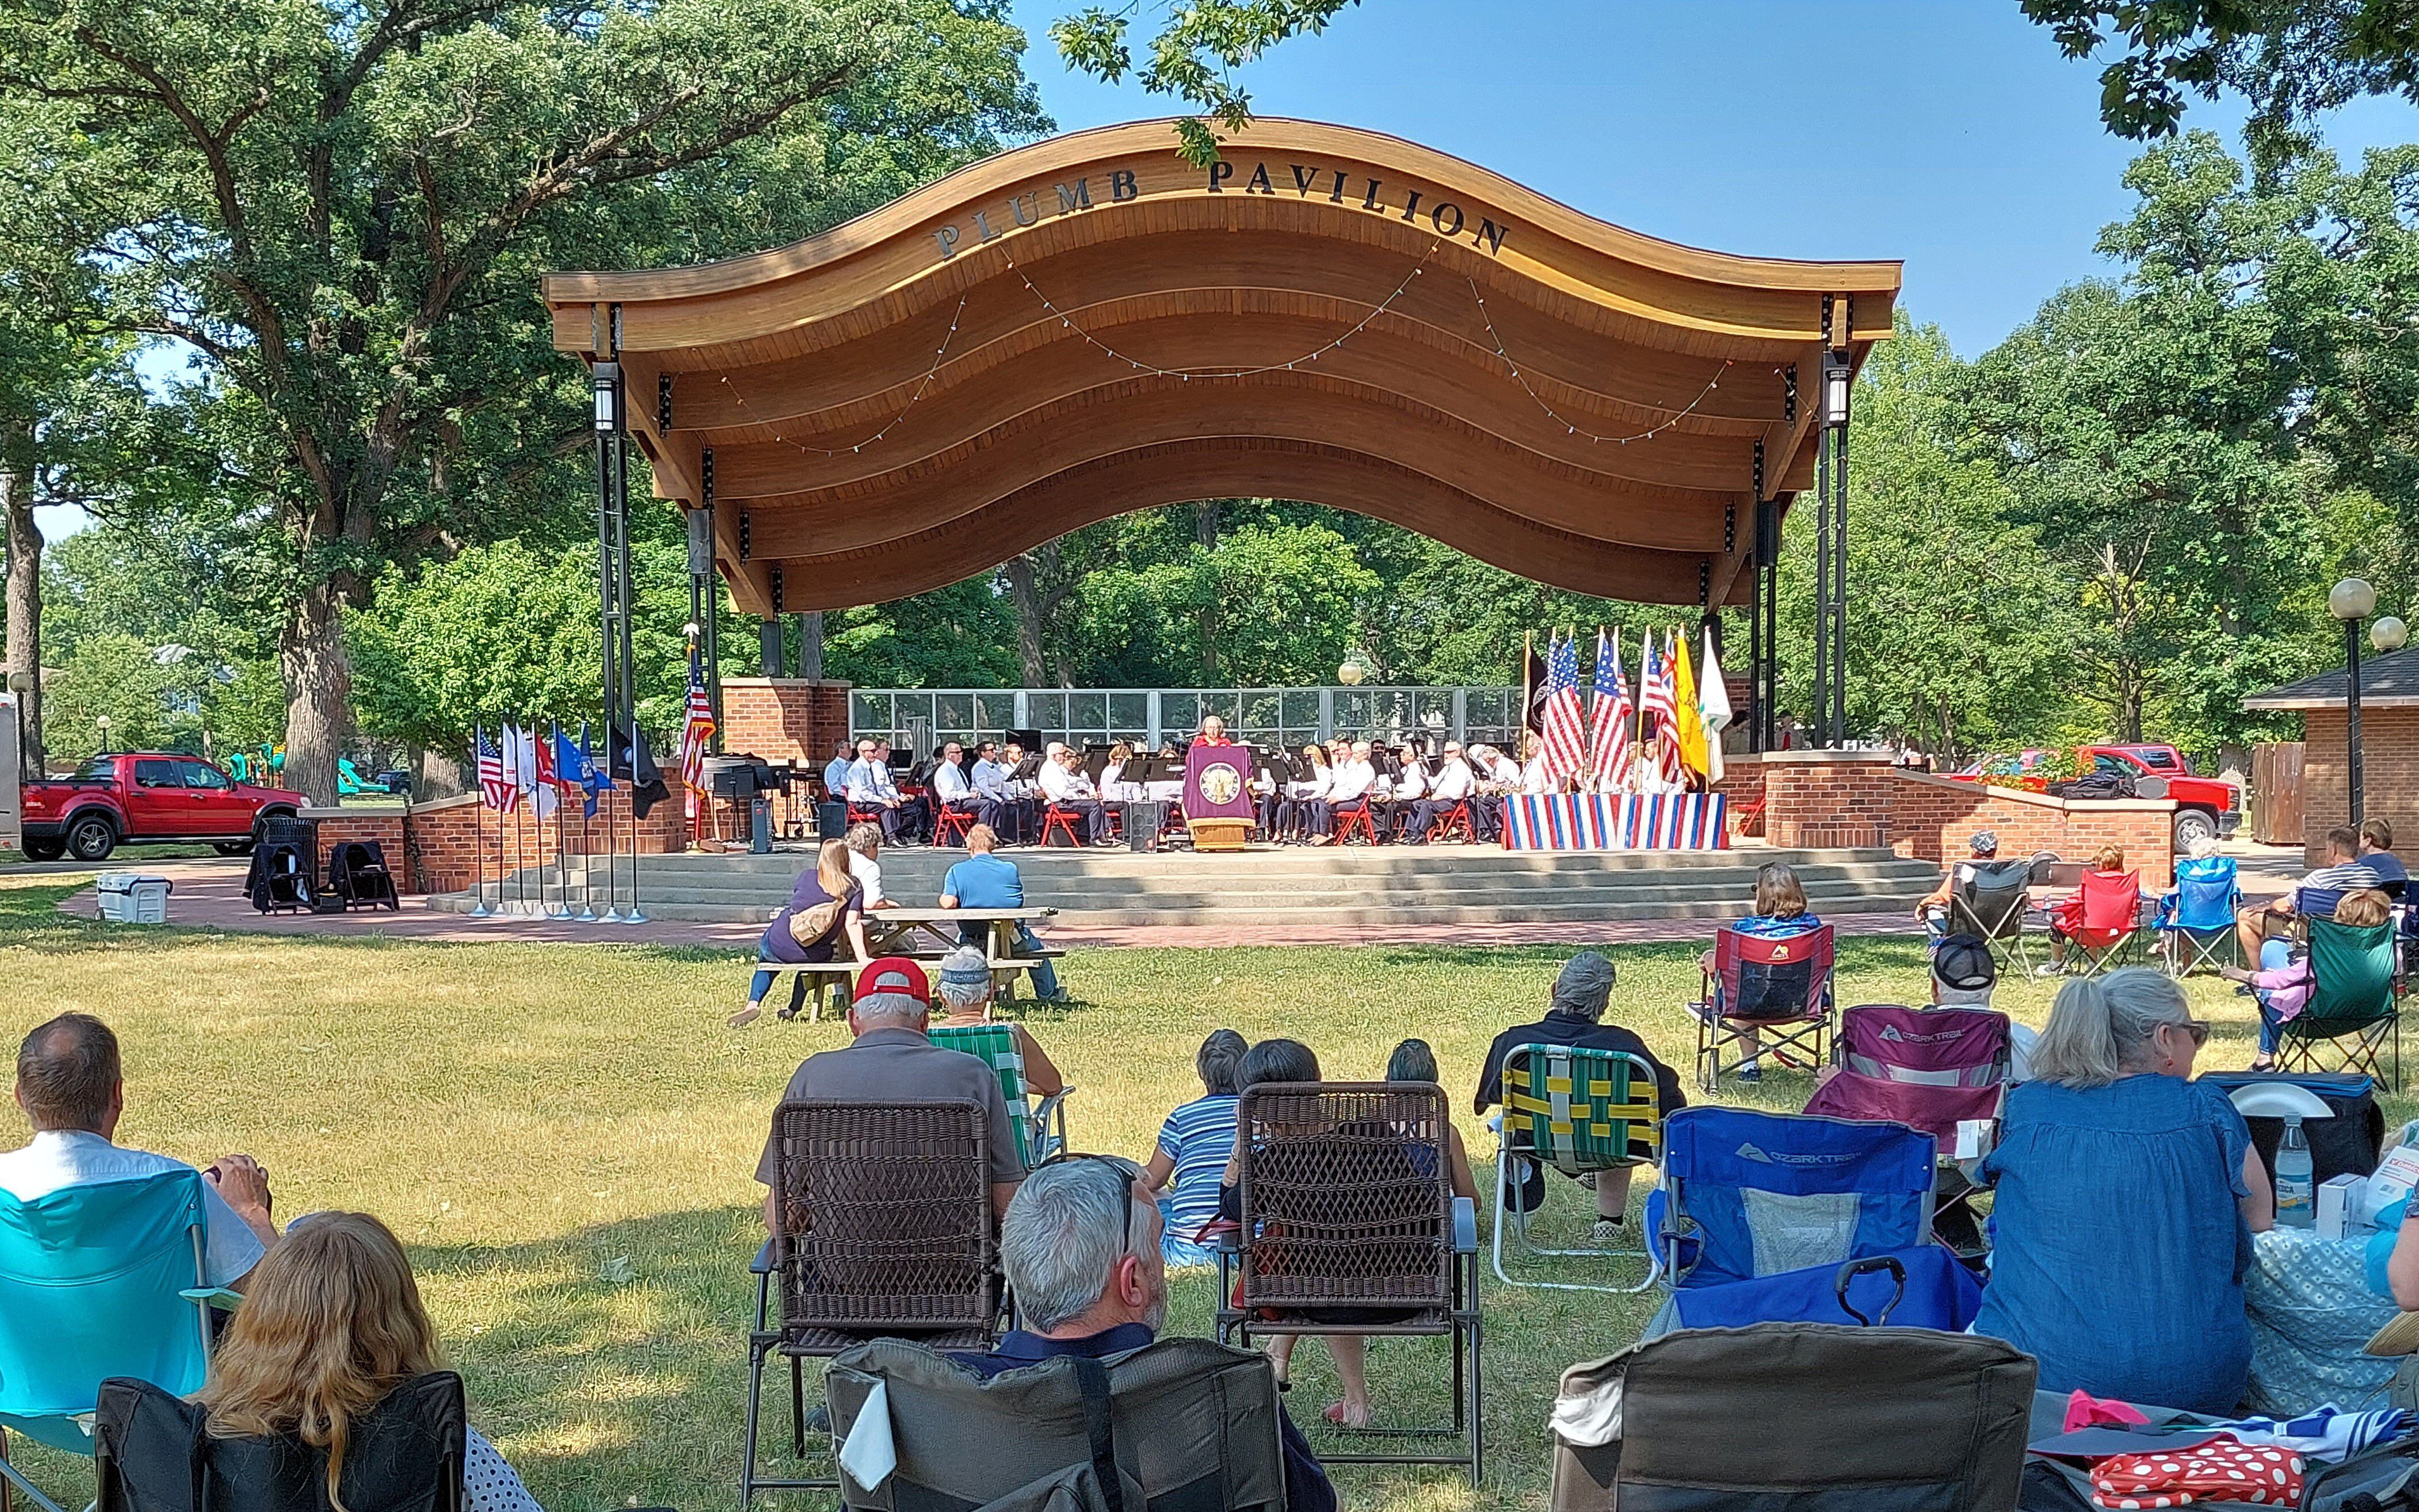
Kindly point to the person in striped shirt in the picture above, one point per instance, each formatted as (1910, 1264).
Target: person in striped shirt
(1193, 1147)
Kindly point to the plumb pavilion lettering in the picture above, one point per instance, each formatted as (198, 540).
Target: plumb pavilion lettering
(1335, 186)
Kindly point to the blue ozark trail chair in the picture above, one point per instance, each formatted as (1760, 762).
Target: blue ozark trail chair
(1762, 1215)
(2196, 925)
(1579, 1110)
(1041, 1130)
(2354, 1002)
(95, 1282)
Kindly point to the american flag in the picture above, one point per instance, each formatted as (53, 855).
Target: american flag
(494, 791)
(696, 732)
(1664, 704)
(1609, 718)
(1565, 743)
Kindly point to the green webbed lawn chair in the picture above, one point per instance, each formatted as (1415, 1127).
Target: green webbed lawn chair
(100, 1281)
(2353, 1005)
(1041, 1129)
(1579, 1110)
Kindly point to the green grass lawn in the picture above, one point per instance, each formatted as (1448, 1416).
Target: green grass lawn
(564, 1137)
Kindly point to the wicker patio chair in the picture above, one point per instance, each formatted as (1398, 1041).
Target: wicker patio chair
(1348, 1226)
(885, 1230)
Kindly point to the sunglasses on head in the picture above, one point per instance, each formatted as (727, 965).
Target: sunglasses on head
(1125, 1173)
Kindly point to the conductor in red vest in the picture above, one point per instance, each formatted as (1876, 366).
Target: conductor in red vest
(1213, 733)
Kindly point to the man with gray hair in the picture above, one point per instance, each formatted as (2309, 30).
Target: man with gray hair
(1575, 1017)
(891, 1060)
(1080, 1249)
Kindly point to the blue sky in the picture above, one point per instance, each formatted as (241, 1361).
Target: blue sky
(1957, 136)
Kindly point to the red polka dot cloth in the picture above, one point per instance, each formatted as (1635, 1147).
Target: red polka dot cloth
(2222, 1470)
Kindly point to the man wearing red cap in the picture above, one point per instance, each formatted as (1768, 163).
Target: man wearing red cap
(890, 1060)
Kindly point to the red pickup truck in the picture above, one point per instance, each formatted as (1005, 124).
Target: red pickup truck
(2204, 805)
(137, 797)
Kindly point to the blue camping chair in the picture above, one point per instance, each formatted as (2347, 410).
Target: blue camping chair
(1760, 1215)
(95, 1282)
(2197, 919)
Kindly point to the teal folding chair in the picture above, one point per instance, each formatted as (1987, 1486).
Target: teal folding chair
(95, 1282)
(1582, 1111)
(2355, 1003)
(1041, 1129)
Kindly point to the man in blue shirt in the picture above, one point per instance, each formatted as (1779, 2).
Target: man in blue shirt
(984, 880)
(1085, 1288)
(836, 773)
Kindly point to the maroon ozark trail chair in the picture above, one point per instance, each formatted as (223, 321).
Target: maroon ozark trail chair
(1779, 990)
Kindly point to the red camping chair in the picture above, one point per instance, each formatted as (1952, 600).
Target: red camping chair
(2103, 918)
(1779, 990)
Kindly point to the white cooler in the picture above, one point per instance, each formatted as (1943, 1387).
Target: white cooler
(131, 898)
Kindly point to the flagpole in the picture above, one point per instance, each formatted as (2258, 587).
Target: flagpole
(634, 914)
(587, 842)
(1528, 691)
(562, 909)
(478, 830)
(520, 830)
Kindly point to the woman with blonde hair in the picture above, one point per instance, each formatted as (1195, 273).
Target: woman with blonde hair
(1307, 814)
(2127, 1196)
(826, 909)
(331, 1323)
(1781, 914)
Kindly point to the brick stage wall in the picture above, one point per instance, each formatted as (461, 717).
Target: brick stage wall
(1822, 799)
(2389, 778)
(454, 841)
(387, 826)
(784, 719)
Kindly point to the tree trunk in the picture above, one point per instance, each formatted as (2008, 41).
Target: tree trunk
(435, 774)
(1026, 594)
(318, 692)
(24, 547)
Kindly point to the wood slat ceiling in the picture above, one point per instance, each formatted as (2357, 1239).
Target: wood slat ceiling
(1087, 326)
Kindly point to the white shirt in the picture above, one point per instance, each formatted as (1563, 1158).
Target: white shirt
(1534, 777)
(868, 874)
(991, 780)
(1060, 785)
(1320, 779)
(1452, 783)
(1505, 770)
(1351, 782)
(62, 1158)
(869, 782)
(949, 783)
(1412, 783)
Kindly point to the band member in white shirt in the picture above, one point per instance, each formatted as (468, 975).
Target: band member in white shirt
(1646, 777)
(1454, 784)
(1350, 783)
(1305, 813)
(1020, 806)
(1069, 789)
(989, 778)
(954, 790)
(1168, 788)
(1534, 780)
(871, 789)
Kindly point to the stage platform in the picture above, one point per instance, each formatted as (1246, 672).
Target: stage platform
(1294, 887)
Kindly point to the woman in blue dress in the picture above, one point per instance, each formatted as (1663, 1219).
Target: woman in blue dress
(2127, 1197)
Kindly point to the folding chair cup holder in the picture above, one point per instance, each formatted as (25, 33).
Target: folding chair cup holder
(885, 1230)
(1348, 1226)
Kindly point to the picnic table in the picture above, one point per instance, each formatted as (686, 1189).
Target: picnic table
(925, 934)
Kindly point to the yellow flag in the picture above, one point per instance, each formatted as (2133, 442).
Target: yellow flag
(1685, 722)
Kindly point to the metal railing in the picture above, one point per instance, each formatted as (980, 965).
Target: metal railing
(1147, 716)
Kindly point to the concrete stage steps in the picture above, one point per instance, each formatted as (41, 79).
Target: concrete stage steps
(1296, 885)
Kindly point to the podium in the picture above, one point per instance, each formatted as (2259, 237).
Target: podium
(1218, 796)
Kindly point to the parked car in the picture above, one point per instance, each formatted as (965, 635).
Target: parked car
(2204, 805)
(138, 797)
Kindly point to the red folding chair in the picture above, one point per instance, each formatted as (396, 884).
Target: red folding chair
(1778, 989)
(2103, 918)
(1458, 817)
(949, 825)
(1063, 822)
(1349, 822)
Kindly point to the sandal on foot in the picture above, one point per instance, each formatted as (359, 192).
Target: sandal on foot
(1333, 1413)
(745, 1017)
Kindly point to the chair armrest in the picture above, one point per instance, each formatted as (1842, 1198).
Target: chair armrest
(763, 1264)
(222, 1298)
(1465, 1225)
(1052, 1106)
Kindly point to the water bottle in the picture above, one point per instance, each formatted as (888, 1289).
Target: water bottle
(2296, 1192)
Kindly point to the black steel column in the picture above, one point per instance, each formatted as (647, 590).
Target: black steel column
(2352, 720)
(1768, 612)
(708, 599)
(1822, 722)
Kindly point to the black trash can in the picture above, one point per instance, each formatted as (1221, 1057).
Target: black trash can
(831, 820)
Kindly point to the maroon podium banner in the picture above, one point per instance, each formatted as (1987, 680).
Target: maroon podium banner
(1217, 784)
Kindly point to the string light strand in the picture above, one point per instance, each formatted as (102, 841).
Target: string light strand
(1569, 425)
(1188, 373)
(940, 357)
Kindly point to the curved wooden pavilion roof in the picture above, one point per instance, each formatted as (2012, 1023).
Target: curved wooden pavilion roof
(1089, 325)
